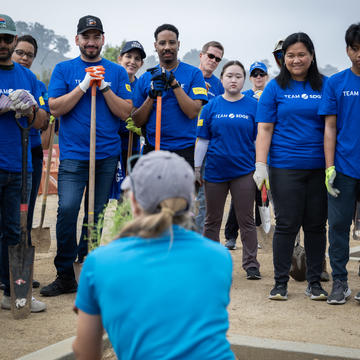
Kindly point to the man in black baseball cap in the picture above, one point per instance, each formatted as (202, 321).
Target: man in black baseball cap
(89, 22)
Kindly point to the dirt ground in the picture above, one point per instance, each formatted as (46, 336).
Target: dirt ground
(250, 311)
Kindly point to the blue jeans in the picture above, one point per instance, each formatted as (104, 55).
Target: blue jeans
(340, 214)
(73, 177)
(10, 197)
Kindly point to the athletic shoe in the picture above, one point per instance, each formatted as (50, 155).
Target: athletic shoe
(231, 244)
(36, 284)
(339, 293)
(279, 292)
(253, 273)
(61, 285)
(36, 305)
(316, 292)
(357, 297)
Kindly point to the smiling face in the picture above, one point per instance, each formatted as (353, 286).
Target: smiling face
(90, 44)
(258, 78)
(167, 47)
(208, 65)
(233, 79)
(24, 54)
(298, 60)
(132, 62)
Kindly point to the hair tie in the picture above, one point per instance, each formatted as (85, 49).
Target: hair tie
(168, 210)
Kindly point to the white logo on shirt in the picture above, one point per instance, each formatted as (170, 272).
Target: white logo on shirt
(305, 96)
(232, 116)
(302, 96)
(6, 91)
(350, 93)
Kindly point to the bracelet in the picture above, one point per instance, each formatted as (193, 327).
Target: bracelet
(175, 86)
(105, 89)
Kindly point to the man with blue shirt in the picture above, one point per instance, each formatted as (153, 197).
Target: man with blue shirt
(183, 93)
(18, 92)
(70, 99)
(341, 106)
(210, 56)
(258, 77)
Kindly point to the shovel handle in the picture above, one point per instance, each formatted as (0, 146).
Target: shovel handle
(158, 122)
(263, 194)
(130, 146)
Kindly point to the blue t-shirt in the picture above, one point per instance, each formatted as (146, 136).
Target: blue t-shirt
(249, 92)
(177, 130)
(160, 299)
(124, 132)
(34, 134)
(12, 79)
(214, 87)
(298, 137)
(230, 127)
(74, 134)
(342, 98)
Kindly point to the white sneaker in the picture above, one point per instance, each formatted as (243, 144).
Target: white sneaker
(36, 305)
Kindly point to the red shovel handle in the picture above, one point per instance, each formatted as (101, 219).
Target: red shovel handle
(263, 194)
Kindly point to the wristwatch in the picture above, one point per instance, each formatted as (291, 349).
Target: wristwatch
(175, 86)
(105, 89)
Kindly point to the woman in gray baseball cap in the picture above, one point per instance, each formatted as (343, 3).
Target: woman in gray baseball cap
(157, 290)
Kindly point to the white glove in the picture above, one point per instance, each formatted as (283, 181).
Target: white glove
(5, 103)
(22, 103)
(85, 84)
(93, 73)
(261, 175)
(257, 94)
(103, 84)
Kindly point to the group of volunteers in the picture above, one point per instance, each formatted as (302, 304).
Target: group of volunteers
(297, 135)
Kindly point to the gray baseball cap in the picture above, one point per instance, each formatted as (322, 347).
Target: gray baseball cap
(7, 25)
(160, 175)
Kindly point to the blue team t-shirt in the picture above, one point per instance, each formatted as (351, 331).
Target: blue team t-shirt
(214, 87)
(74, 133)
(231, 130)
(34, 134)
(160, 299)
(249, 92)
(298, 137)
(342, 98)
(124, 132)
(12, 79)
(177, 130)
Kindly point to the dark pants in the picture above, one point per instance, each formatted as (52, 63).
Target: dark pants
(300, 200)
(341, 212)
(37, 164)
(72, 179)
(242, 190)
(187, 153)
(10, 197)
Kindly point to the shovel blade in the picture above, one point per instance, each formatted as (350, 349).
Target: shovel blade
(41, 239)
(77, 270)
(21, 265)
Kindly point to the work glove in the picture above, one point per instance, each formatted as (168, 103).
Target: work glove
(261, 175)
(5, 103)
(22, 102)
(170, 77)
(93, 74)
(198, 176)
(330, 175)
(158, 83)
(132, 127)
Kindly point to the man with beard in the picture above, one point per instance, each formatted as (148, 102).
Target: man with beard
(183, 93)
(18, 91)
(70, 99)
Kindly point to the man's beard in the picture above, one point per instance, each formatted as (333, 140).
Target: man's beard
(7, 55)
(90, 56)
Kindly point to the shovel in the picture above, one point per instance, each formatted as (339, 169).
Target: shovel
(130, 146)
(21, 256)
(265, 211)
(41, 236)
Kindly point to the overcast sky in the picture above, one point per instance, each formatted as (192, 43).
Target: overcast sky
(247, 29)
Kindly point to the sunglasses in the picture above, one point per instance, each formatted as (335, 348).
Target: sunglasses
(257, 73)
(22, 53)
(212, 56)
(8, 39)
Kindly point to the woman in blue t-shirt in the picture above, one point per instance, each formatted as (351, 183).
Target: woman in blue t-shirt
(226, 133)
(150, 288)
(291, 133)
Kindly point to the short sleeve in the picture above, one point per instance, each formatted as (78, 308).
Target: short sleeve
(267, 105)
(43, 99)
(85, 299)
(57, 86)
(328, 104)
(140, 93)
(198, 88)
(203, 129)
(124, 87)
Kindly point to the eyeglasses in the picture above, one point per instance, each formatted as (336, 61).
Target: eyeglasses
(257, 73)
(22, 53)
(212, 56)
(8, 39)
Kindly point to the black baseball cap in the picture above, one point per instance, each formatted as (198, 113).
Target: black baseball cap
(89, 22)
(131, 45)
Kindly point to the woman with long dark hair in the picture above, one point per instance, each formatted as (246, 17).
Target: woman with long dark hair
(291, 132)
